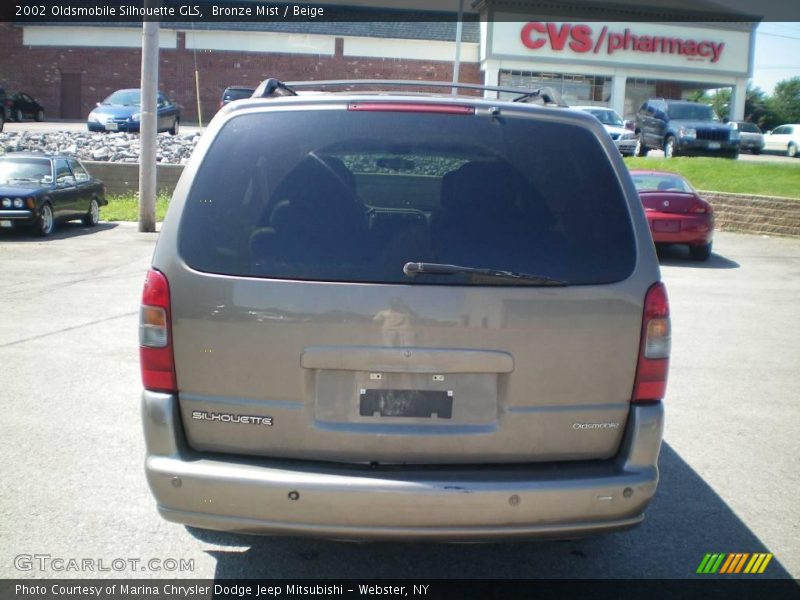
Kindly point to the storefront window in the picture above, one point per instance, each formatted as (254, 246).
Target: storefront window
(574, 89)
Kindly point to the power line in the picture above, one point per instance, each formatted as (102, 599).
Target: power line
(788, 37)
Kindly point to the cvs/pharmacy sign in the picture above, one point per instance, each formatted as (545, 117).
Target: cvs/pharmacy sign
(582, 38)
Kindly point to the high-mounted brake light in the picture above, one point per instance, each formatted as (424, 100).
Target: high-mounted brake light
(414, 107)
(155, 335)
(654, 348)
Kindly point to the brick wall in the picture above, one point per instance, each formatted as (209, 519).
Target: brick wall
(37, 70)
(755, 214)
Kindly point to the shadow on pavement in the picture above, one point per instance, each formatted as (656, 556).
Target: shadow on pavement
(686, 520)
(677, 255)
(61, 232)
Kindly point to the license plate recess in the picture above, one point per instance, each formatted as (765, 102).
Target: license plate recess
(406, 403)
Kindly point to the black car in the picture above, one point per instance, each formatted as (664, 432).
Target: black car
(40, 190)
(683, 127)
(20, 106)
(122, 111)
(235, 92)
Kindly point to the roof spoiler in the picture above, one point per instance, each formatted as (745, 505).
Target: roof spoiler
(272, 88)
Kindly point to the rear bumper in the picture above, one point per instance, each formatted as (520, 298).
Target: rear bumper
(626, 147)
(446, 503)
(695, 230)
(122, 126)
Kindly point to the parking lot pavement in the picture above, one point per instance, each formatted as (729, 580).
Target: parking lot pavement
(71, 444)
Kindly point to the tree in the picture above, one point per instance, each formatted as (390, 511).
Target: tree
(755, 105)
(785, 101)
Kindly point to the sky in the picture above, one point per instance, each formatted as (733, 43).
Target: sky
(777, 54)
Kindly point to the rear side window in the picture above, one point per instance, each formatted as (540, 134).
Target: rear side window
(347, 196)
(236, 94)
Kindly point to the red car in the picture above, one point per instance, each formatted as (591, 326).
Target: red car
(675, 212)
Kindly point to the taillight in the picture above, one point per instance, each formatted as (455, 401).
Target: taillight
(155, 335)
(415, 107)
(699, 207)
(654, 347)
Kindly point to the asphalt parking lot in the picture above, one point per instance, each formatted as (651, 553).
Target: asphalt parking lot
(72, 450)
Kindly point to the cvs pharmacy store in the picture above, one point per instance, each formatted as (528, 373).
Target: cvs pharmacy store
(618, 64)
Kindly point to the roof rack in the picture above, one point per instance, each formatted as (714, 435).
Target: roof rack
(270, 88)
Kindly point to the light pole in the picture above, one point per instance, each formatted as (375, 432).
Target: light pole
(148, 125)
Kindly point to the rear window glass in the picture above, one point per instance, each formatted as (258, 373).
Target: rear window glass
(661, 182)
(347, 196)
(748, 127)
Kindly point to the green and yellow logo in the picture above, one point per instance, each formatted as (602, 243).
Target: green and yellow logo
(734, 562)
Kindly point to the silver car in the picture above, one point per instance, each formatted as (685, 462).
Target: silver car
(624, 137)
(389, 316)
(750, 137)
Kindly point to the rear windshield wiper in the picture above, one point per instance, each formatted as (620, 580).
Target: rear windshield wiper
(411, 269)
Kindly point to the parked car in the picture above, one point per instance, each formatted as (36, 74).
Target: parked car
(122, 111)
(20, 106)
(235, 92)
(366, 312)
(750, 136)
(784, 139)
(39, 191)
(675, 212)
(682, 127)
(624, 138)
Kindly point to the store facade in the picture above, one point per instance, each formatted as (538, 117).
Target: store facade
(619, 64)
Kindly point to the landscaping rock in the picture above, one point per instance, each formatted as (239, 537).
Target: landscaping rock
(113, 147)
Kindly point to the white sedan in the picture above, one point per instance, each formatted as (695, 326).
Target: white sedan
(783, 139)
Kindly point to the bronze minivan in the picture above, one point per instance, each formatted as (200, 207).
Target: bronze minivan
(392, 316)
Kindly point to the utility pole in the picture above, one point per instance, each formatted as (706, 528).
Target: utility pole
(457, 62)
(148, 125)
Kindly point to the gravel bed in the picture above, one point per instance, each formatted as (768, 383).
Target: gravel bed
(112, 147)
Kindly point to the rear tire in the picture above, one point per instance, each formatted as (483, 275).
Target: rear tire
(700, 253)
(92, 218)
(641, 149)
(669, 146)
(18, 116)
(756, 150)
(40, 116)
(46, 222)
(791, 151)
(175, 127)
(2, 121)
